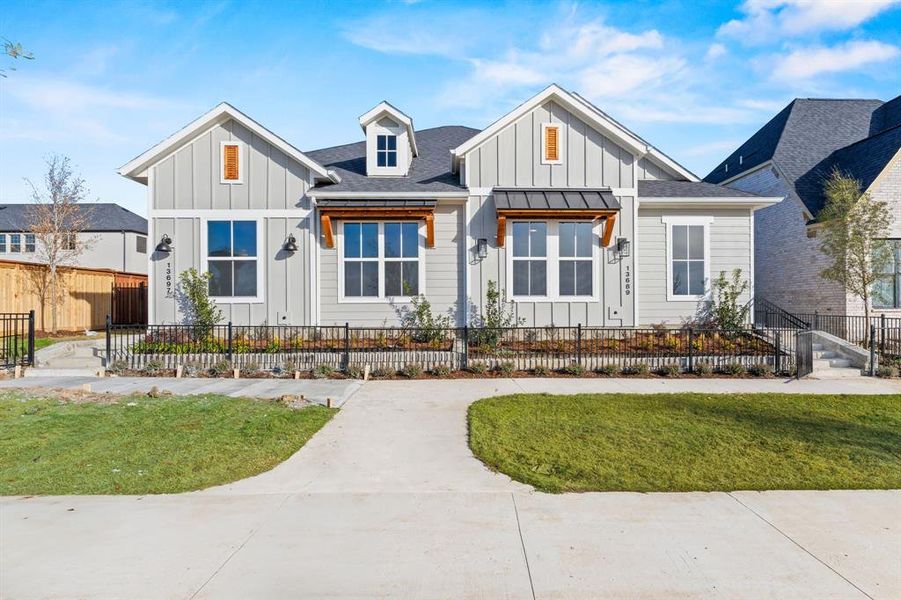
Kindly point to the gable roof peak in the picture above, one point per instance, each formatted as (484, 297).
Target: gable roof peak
(386, 108)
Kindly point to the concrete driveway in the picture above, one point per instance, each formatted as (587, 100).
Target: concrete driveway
(387, 501)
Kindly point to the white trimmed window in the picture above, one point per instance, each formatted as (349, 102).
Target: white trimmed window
(379, 260)
(551, 144)
(553, 260)
(2, 243)
(15, 242)
(386, 150)
(887, 291)
(29, 242)
(687, 257)
(232, 259)
(231, 162)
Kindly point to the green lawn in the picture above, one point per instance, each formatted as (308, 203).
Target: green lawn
(685, 442)
(144, 445)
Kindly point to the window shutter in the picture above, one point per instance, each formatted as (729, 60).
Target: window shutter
(230, 162)
(551, 145)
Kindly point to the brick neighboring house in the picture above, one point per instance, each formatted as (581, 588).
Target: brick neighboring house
(790, 156)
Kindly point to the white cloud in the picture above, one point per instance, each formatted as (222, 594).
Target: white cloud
(805, 63)
(771, 20)
(716, 50)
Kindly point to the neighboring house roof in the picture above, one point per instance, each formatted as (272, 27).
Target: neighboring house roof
(866, 159)
(136, 169)
(687, 189)
(554, 199)
(805, 139)
(430, 171)
(99, 217)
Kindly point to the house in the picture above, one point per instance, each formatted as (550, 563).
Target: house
(575, 217)
(790, 157)
(113, 237)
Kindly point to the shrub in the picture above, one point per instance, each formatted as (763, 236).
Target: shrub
(427, 327)
(117, 366)
(441, 371)
(250, 368)
(608, 370)
(221, 368)
(199, 310)
(760, 370)
(637, 369)
(734, 368)
(498, 315)
(704, 368)
(411, 370)
(355, 371)
(190, 369)
(671, 370)
(382, 373)
(725, 310)
(541, 371)
(478, 367)
(505, 368)
(152, 367)
(289, 366)
(575, 369)
(322, 371)
(887, 371)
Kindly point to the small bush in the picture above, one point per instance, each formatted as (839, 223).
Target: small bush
(117, 366)
(322, 371)
(735, 368)
(671, 370)
(355, 371)
(152, 367)
(575, 369)
(411, 371)
(289, 366)
(637, 369)
(478, 367)
(250, 368)
(887, 371)
(541, 371)
(441, 371)
(505, 368)
(704, 369)
(382, 373)
(760, 370)
(220, 368)
(190, 369)
(608, 370)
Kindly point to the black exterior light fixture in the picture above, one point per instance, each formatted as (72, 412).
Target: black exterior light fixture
(290, 244)
(623, 247)
(482, 248)
(165, 244)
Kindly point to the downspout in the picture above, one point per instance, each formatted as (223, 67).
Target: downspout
(124, 239)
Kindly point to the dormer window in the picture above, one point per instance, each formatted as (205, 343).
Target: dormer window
(386, 150)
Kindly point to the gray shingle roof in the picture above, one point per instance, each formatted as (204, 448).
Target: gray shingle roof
(554, 199)
(429, 172)
(100, 217)
(800, 141)
(866, 159)
(687, 189)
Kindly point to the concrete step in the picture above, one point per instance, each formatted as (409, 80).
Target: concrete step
(53, 372)
(825, 354)
(827, 363)
(817, 347)
(836, 373)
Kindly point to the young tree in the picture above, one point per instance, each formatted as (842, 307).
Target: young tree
(56, 219)
(855, 226)
(724, 310)
(194, 300)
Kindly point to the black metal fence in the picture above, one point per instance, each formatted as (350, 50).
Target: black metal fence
(519, 348)
(804, 353)
(16, 339)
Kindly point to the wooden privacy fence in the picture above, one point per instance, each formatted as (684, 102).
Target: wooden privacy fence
(86, 294)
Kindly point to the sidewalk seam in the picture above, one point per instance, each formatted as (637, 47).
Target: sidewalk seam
(808, 552)
(522, 542)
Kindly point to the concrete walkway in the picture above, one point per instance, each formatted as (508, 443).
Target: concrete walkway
(387, 501)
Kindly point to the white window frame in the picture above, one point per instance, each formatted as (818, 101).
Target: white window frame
(261, 263)
(553, 262)
(381, 298)
(2, 243)
(33, 243)
(241, 165)
(560, 144)
(668, 222)
(18, 243)
(396, 151)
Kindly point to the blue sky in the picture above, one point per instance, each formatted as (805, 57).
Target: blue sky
(109, 80)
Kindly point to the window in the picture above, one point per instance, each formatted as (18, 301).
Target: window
(551, 144)
(29, 242)
(575, 259)
(232, 259)
(530, 259)
(687, 262)
(141, 244)
(15, 242)
(887, 291)
(68, 241)
(232, 162)
(386, 150)
(380, 260)
(2, 243)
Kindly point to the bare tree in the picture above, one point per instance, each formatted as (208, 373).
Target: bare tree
(57, 220)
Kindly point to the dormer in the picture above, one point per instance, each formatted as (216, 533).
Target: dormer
(390, 141)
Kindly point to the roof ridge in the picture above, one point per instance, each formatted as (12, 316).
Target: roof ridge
(867, 139)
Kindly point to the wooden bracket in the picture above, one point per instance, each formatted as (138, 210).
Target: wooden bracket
(384, 214)
(609, 222)
(430, 231)
(501, 230)
(326, 222)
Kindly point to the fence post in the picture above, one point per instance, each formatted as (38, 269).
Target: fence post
(109, 339)
(872, 349)
(465, 347)
(777, 359)
(346, 345)
(882, 333)
(579, 345)
(691, 350)
(31, 337)
(816, 319)
(230, 349)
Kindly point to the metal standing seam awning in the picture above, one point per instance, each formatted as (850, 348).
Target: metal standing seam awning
(560, 204)
(376, 209)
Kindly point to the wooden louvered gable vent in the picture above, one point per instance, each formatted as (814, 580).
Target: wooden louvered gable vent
(552, 143)
(230, 166)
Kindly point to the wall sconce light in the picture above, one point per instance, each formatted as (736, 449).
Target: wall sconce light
(623, 247)
(482, 248)
(165, 245)
(290, 244)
